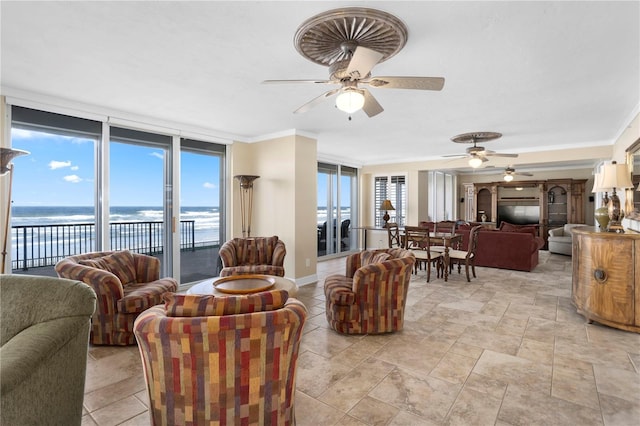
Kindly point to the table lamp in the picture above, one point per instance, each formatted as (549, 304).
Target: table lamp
(615, 176)
(386, 206)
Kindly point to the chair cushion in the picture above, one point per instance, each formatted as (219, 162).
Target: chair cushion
(119, 263)
(458, 254)
(141, 296)
(200, 305)
(367, 257)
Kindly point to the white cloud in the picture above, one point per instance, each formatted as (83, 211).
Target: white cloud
(59, 164)
(73, 178)
(209, 185)
(74, 167)
(157, 155)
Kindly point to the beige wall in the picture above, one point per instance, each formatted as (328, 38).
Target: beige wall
(285, 197)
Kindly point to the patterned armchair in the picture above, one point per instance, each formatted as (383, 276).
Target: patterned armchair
(256, 255)
(126, 284)
(370, 298)
(221, 360)
(44, 337)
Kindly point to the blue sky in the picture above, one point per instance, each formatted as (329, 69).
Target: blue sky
(60, 171)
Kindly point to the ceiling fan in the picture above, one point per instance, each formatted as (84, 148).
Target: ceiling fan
(510, 172)
(351, 41)
(478, 154)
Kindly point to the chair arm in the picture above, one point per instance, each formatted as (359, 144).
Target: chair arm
(147, 268)
(228, 254)
(105, 284)
(279, 252)
(556, 232)
(26, 351)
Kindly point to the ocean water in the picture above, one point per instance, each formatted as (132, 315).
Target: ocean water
(206, 219)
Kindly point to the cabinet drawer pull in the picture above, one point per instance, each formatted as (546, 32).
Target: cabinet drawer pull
(600, 275)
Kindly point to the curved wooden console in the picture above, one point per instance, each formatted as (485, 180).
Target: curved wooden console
(606, 277)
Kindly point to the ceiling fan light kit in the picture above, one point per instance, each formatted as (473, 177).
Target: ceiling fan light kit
(351, 41)
(350, 100)
(475, 162)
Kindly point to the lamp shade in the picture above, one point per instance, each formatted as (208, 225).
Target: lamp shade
(597, 184)
(475, 162)
(350, 100)
(616, 176)
(386, 205)
(6, 155)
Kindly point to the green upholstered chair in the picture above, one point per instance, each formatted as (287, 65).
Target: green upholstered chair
(254, 255)
(371, 297)
(221, 360)
(44, 326)
(125, 283)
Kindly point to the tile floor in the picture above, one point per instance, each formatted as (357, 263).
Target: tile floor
(506, 349)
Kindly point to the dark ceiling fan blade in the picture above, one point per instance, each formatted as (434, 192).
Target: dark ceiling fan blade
(371, 106)
(524, 174)
(416, 83)
(316, 101)
(362, 62)
(300, 81)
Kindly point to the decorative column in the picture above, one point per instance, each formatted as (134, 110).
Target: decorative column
(246, 202)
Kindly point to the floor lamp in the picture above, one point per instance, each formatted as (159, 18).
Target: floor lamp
(6, 155)
(246, 202)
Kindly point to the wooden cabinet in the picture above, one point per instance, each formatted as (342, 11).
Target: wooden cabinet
(606, 277)
(560, 201)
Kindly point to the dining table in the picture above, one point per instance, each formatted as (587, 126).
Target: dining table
(448, 240)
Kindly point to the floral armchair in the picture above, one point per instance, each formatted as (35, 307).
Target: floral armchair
(371, 297)
(255, 255)
(125, 283)
(221, 360)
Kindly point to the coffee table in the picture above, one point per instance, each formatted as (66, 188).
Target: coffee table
(207, 286)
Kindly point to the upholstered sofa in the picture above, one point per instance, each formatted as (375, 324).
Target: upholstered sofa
(255, 255)
(221, 360)
(126, 284)
(370, 297)
(560, 239)
(44, 338)
(513, 247)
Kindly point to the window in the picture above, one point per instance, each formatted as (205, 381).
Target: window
(391, 188)
(442, 196)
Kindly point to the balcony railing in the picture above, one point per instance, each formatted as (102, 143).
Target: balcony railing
(45, 245)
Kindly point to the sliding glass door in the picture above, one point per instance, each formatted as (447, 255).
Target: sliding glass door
(336, 213)
(201, 213)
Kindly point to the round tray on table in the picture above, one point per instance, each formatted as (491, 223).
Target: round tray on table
(244, 284)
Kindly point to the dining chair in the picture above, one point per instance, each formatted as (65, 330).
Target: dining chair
(467, 257)
(417, 240)
(393, 232)
(444, 226)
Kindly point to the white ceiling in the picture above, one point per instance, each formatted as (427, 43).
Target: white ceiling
(545, 74)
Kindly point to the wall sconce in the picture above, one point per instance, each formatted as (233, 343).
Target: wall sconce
(615, 176)
(246, 202)
(386, 206)
(6, 155)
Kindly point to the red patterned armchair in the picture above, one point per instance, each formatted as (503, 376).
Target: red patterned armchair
(370, 298)
(255, 255)
(221, 360)
(125, 283)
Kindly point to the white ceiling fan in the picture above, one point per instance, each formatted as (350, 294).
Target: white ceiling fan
(351, 41)
(477, 154)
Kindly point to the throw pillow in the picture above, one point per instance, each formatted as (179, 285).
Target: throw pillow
(367, 257)
(202, 305)
(119, 263)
